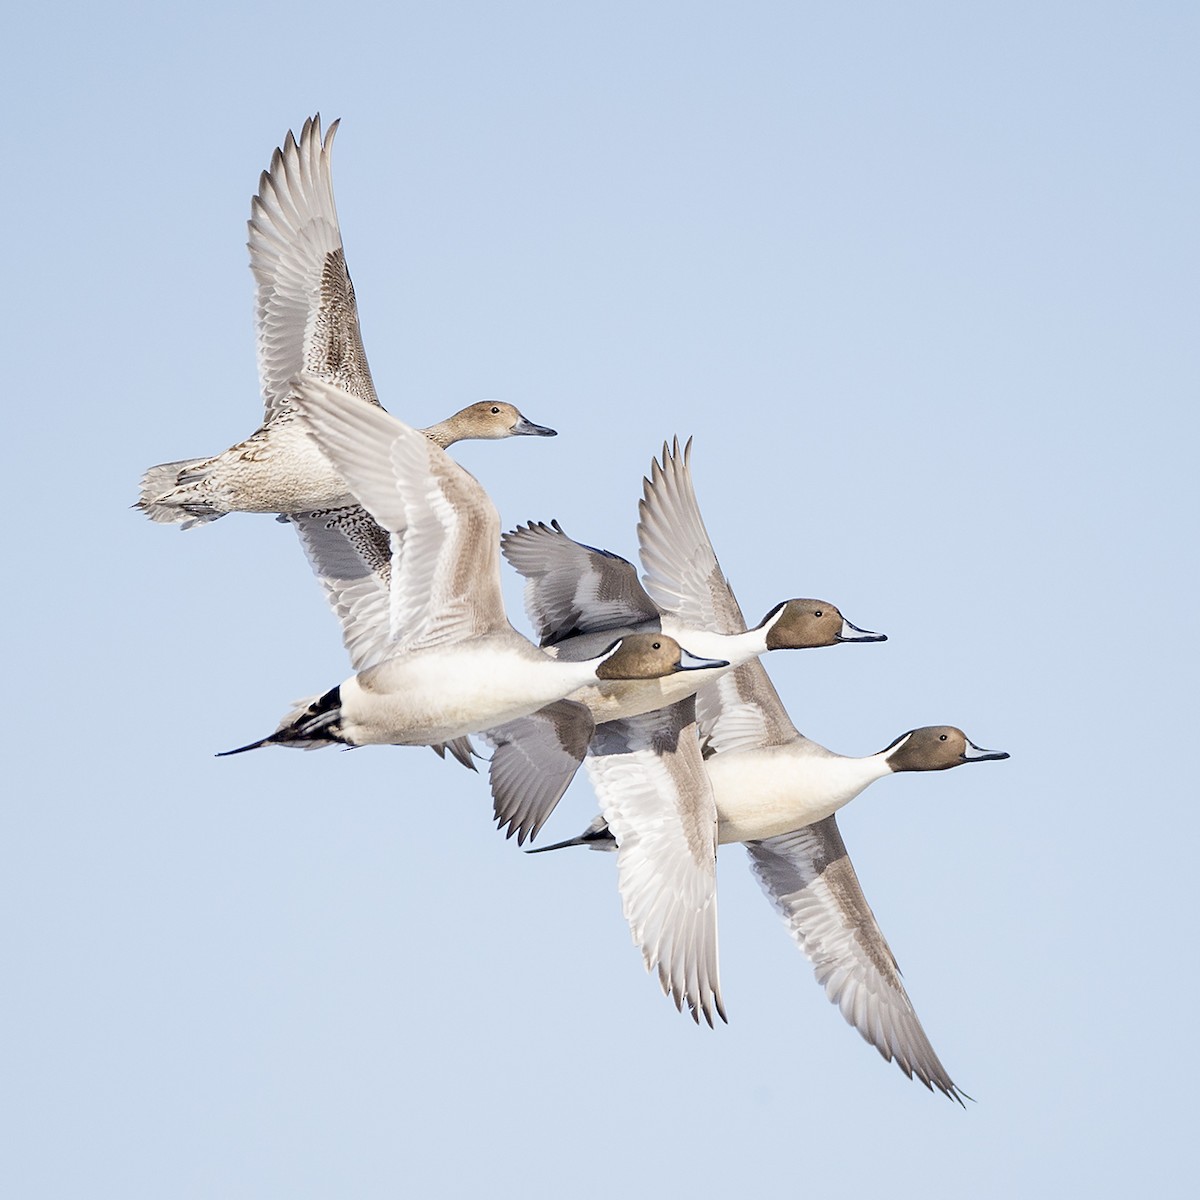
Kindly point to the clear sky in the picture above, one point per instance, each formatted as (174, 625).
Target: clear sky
(922, 281)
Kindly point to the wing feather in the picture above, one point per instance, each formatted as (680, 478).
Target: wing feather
(571, 588)
(534, 760)
(682, 575)
(809, 879)
(445, 531)
(351, 556)
(741, 709)
(305, 309)
(655, 796)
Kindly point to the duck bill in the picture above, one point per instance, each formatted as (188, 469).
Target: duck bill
(527, 428)
(689, 662)
(974, 753)
(852, 633)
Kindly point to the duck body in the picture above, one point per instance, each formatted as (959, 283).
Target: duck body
(763, 792)
(280, 469)
(443, 692)
(438, 694)
(770, 790)
(277, 469)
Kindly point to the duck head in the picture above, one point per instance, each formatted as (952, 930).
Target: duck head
(936, 748)
(650, 656)
(803, 624)
(492, 419)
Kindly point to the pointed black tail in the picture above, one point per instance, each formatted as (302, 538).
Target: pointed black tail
(596, 837)
(317, 723)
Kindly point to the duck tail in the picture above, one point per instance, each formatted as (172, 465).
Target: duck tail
(310, 725)
(596, 836)
(160, 499)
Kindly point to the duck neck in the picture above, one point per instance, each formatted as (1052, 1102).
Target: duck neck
(849, 777)
(583, 671)
(734, 648)
(872, 767)
(855, 775)
(443, 434)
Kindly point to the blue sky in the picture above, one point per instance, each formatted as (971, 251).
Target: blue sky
(920, 280)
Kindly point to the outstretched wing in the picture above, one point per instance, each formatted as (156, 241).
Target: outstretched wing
(682, 575)
(655, 796)
(741, 709)
(571, 588)
(809, 879)
(306, 315)
(444, 530)
(573, 593)
(533, 762)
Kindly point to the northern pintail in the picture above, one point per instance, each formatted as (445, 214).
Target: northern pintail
(578, 597)
(448, 663)
(779, 799)
(667, 804)
(306, 320)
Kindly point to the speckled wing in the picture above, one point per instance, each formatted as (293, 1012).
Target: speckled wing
(810, 881)
(306, 314)
(533, 762)
(655, 796)
(571, 588)
(444, 530)
(351, 556)
(682, 575)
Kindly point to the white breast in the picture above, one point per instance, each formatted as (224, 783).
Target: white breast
(734, 648)
(764, 792)
(442, 693)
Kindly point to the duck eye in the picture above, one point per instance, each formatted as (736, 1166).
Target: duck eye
(941, 737)
(818, 613)
(657, 645)
(495, 409)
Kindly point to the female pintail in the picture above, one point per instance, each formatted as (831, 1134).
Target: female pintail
(306, 319)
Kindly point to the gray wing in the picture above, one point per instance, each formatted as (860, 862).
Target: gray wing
(810, 881)
(571, 588)
(534, 760)
(306, 314)
(682, 575)
(741, 710)
(578, 598)
(656, 799)
(461, 749)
